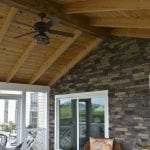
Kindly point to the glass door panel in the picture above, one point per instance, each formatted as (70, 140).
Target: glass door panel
(91, 119)
(67, 124)
(84, 121)
(97, 118)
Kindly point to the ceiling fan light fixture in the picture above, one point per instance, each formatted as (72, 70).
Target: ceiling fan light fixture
(42, 39)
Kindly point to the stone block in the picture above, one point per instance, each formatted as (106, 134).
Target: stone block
(140, 127)
(121, 129)
(133, 105)
(143, 136)
(138, 119)
(120, 93)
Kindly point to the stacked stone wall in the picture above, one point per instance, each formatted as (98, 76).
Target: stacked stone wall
(121, 66)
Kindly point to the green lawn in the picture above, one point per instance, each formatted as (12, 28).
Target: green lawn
(65, 113)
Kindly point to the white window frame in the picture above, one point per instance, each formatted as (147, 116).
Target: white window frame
(77, 96)
(149, 81)
(26, 88)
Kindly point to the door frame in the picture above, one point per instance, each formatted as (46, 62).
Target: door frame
(25, 88)
(17, 98)
(77, 96)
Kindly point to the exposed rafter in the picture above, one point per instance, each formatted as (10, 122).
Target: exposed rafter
(75, 60)
(53, 9)
(11, 14)
(141, 33)
(20, 61)
(48, 63)
(120, 22)
(91, 6)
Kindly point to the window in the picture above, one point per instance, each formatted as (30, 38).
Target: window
(24, 108)
(31, 109)
(79, 116)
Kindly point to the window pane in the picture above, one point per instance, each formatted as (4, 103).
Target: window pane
(67, 128)
(97, 123)
(31, 109)
(35, 110)
(83, 123)
(8, 121)
(91, 119)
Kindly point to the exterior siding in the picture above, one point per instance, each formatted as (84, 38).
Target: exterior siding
(122, 66)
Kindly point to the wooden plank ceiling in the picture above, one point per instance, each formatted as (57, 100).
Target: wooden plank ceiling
(22, 60)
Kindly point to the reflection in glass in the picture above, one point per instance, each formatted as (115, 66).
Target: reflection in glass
(97, 123)
(35, 110)
(90, 121)
(83, 123)
(67, 128)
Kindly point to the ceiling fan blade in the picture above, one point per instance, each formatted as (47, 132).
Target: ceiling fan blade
(67, 34)
(53, 21)
(22, 23)
(25, 34)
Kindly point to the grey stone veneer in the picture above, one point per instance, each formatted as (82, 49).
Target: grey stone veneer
(122, 66)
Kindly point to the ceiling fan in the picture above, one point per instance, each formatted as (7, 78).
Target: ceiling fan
(42, 28)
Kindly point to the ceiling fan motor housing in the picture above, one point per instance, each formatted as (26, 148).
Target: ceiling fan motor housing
(41, 27)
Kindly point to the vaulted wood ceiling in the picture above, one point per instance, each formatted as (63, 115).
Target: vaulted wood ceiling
(22, 60)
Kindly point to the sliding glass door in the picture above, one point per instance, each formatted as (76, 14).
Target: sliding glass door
(78, 117)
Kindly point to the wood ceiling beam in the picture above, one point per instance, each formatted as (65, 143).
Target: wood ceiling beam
(120, 22)
(75, 60)
(52, 9)
(49, 62)
(140, 33)
(91, 6)
(21, 60)
(11, 14)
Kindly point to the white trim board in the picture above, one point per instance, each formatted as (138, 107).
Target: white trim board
(82, 94)
(22, 87)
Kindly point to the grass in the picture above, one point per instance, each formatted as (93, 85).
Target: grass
(66, 113)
